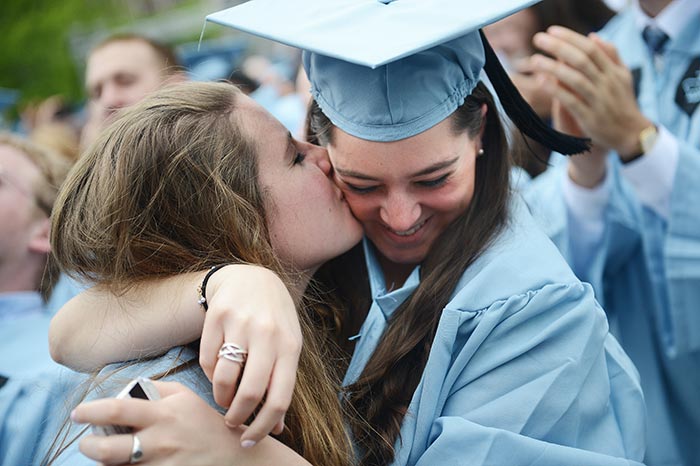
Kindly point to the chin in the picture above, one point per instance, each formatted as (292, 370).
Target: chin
(405, 257)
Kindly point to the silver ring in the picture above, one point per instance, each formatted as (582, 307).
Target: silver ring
(136, 452)
(233, 352)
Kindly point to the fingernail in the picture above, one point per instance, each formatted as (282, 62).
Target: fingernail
(231, 424)
(248, 443)
(73, 416)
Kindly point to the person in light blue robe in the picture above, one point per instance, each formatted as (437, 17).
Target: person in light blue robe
(643, 257)
(33, 385)
(521, 363)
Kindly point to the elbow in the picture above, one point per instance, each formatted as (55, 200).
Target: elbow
(56, 343)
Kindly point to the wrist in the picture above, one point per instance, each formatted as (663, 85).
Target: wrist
(241, 274)
(639, 140)
(588, 170)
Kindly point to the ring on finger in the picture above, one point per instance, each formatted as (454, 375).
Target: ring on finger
(233, 352)
(136, 451)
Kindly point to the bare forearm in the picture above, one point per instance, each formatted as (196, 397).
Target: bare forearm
(97, 327)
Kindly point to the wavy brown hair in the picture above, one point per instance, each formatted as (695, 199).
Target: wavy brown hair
(383, 392)
(171, 186)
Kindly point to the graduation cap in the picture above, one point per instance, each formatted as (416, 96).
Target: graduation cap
(385, 70)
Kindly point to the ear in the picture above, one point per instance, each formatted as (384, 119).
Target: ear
(39, 242)
(484, 111)
(480, 139)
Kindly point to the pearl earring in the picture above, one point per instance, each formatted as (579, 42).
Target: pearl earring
(480, 152)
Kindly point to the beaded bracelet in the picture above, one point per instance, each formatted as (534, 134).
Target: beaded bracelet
(202, 289)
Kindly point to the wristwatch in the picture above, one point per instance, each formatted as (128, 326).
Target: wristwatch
(647, 139)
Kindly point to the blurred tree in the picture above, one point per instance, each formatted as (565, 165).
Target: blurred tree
(36, 57)
(43, 42)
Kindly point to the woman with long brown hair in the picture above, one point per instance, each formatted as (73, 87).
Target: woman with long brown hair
(199, 175)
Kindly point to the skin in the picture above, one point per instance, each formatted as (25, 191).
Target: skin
(24, 228)
(593, 95)
(405, 193)
(118, 75)
(308, 218)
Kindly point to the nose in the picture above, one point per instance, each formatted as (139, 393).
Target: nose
(319, 155)
(111, 98)
(400, 211)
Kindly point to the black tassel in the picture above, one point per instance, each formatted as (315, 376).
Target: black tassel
(522, 114)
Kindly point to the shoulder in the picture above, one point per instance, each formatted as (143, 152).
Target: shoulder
(520, 261)
(180, 364)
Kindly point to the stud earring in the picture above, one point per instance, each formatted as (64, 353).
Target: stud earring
(480, 152)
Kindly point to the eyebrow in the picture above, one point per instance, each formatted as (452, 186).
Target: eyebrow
(426, 171)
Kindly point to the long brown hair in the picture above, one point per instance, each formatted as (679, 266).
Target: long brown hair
(383, 392)
(171, 186)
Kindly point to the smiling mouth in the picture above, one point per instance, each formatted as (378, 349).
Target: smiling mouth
(410, 231)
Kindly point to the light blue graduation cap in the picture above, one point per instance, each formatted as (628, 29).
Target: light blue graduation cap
(385, 70)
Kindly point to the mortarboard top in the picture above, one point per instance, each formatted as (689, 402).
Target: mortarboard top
(366, 32)
(385, 70)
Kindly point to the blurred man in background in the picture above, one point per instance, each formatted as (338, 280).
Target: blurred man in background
(122, 70)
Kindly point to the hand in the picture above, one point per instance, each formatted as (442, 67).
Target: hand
(251, 307)
(594, 86)
(178, 429)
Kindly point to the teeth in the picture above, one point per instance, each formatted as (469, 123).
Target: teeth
(409, 232)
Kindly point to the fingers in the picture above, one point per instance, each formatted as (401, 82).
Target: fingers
(112, 449)
(607, 47)
(225, 380)
(270, 418)
(212, 339)
(166, 389)
(112, 411)
(590, 50)
(568, 76)
(576, 51)
(254, 382)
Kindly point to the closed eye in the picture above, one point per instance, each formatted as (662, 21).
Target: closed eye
(299, 158)
(359, 189)
(434, 183)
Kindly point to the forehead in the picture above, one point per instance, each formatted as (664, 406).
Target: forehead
(266, 133)
(128, 56)
(17, 164)
(397, 158)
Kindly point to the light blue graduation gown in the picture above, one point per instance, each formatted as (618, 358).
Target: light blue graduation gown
(115, 376)
(35, 385)
(646, 272)
(522, 369)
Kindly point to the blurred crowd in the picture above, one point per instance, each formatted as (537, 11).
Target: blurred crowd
(627, 102)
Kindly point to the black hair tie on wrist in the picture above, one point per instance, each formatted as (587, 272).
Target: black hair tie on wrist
(202, 289)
